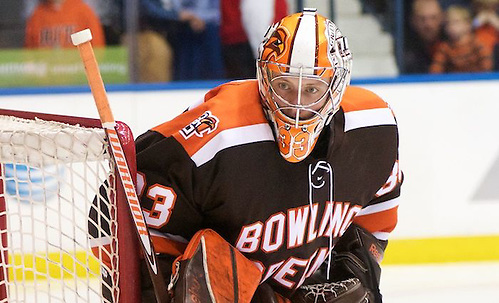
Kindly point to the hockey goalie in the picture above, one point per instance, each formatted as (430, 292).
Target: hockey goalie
(279, 189)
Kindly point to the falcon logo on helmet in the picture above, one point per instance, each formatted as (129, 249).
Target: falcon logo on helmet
(303, 68)
(275, 45)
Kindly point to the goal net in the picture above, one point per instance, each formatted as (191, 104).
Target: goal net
(64, 235)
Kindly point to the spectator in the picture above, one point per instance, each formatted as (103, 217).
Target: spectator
(198, 54)
(244, 22)
(192, 30)
(53, 22)
(155, 50)
(425, 34)
(486, 22)
(258, 15)
(111, 15)
(155, 57)
(462, 52)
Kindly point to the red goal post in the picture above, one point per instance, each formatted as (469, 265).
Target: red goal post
(43, 245)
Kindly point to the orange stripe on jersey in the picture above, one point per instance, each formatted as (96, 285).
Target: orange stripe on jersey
(231, 105)
(167, 246)
(356, 98)
(384, 221)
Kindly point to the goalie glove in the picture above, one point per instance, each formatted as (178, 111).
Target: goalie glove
(346, 291)
(357, 255)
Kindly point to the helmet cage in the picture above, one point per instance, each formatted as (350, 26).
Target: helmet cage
(285, 53)
(303, 112)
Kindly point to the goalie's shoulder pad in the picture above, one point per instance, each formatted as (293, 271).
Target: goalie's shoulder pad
(231, 115)
(358, 98)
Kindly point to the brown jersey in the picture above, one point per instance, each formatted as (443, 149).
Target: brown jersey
(217, 166)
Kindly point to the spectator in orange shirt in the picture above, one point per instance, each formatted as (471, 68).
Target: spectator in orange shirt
(486, 21)
(53, 22)
(462, 52)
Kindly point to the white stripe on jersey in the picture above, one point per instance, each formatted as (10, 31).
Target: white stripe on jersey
(232, 137)
(368, 117)
(376, 208)
(381, 235)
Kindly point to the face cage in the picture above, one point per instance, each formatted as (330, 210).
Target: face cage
(313, 127)
(298, 108)
(265, 70)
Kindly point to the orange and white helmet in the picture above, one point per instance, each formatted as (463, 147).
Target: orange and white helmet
(303, 68)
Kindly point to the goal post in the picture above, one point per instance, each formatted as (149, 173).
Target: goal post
(51, 169)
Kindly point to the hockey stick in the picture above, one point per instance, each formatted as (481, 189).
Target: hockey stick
(82, 41)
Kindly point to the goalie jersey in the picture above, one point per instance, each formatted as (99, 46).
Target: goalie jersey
(218, 166)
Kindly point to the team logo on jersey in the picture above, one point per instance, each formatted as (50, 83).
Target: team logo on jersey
(205, 124)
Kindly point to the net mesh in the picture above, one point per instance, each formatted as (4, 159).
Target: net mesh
(51, 173)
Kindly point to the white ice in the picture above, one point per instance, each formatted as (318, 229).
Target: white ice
(441, 283)
(437, 283)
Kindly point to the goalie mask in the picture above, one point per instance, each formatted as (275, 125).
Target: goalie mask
(303, 69)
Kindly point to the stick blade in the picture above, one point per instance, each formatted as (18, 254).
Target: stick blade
(81, 37)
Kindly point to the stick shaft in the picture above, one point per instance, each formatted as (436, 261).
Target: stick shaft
(95, 82)
(106, 116)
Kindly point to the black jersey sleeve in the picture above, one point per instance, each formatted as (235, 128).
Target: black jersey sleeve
(166, 189)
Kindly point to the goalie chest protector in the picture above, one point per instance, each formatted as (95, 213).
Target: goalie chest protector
(218, 166)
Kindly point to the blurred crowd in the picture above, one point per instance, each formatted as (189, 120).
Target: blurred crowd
(218, 39)
(176, 39)
(452, 36)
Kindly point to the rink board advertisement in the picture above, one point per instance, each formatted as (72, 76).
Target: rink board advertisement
(449, 152)
(42, 67)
